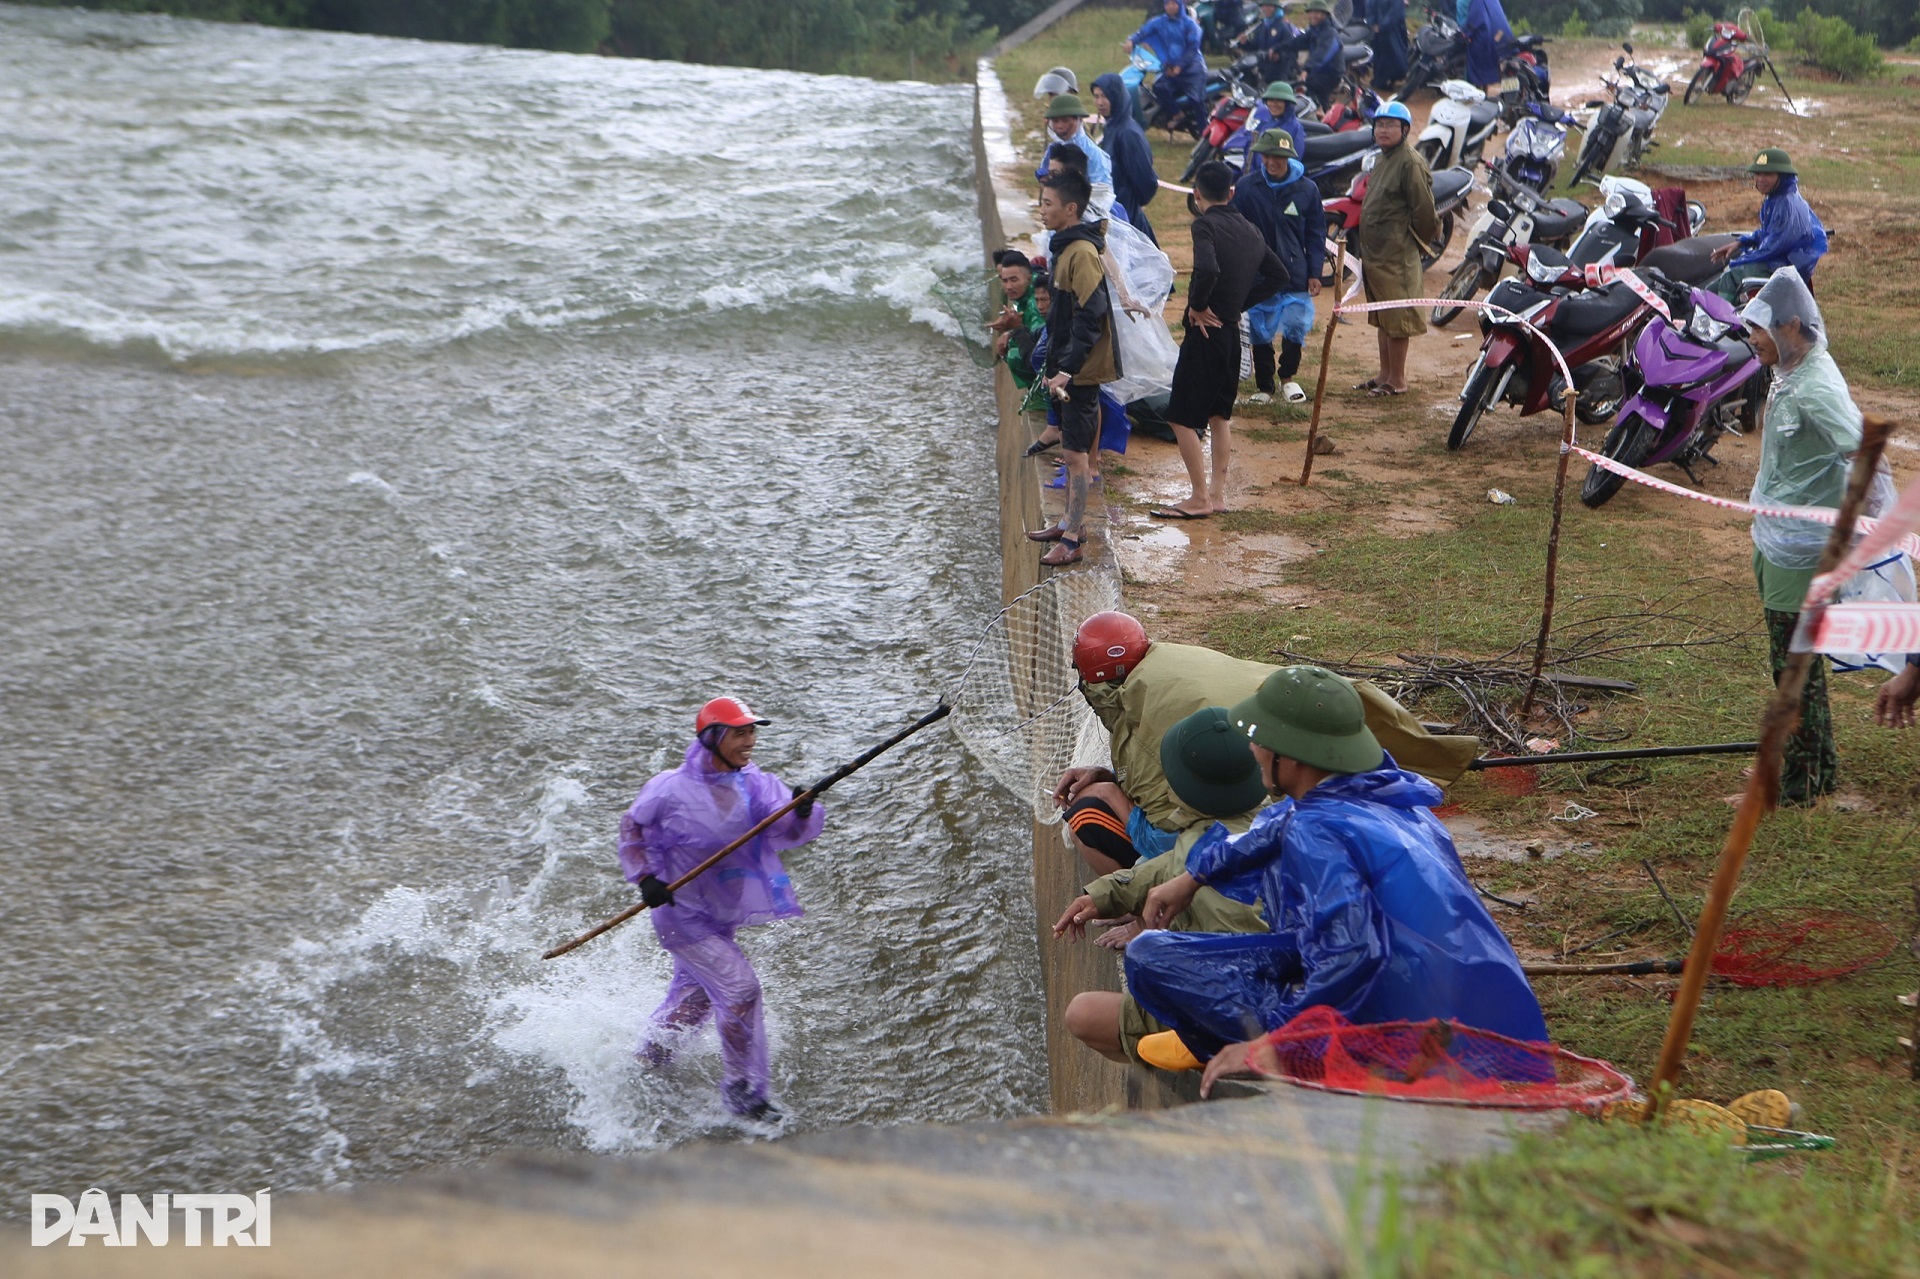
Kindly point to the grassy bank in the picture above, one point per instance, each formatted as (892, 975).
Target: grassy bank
(1401, 553)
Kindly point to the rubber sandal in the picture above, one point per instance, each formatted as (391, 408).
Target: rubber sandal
(1164, 1050)
(1175, 513)
(1065, 551)
(1385, 390)
(1367, 385)
(1040, 446)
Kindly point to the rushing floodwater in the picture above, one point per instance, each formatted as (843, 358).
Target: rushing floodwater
(401, 441)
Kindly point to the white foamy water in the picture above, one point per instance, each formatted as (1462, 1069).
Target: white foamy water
(403, 440)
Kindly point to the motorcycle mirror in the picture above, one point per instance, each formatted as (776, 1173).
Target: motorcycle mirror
(1619, 63)
(1628, 47)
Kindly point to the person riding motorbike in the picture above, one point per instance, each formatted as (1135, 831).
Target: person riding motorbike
(1326, 56)
(1175, 36)
(1790, 233)
(1275, 41)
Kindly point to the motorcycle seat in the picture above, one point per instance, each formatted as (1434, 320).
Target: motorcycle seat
(1642, 120)
(1448, 184)
(1481, 114)
(1553, 223)
(1531, 41)
(1325, 148)
(1353, 53)
(1583, 314)
(1566, 206)
(1316, 128)
(1689, 261)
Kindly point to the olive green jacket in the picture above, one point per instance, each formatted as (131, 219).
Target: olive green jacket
(1124, 892)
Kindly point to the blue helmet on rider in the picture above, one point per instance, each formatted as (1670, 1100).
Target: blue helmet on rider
(1395, 110)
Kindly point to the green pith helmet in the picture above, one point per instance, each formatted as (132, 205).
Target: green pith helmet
(1067, 104)
(1280, 91)
(1309, 714)
(1209, 766)
(1274, 142)
(1773, 160)
(1317, 6)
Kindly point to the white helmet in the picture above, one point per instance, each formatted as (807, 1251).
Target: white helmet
(1055, 82)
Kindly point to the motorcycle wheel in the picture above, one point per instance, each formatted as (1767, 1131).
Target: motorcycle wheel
(1465, 283)
(1742, 85)
(1698, 85)
(1435, 251)
(1630, 440)
(1474, 402)
(1202, 152)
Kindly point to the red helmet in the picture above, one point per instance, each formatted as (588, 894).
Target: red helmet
(730, 711)
(1107, 646)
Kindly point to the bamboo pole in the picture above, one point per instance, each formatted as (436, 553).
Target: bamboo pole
(1553, 558)
(1763, 785)
(1326, 351)
(1638, 968)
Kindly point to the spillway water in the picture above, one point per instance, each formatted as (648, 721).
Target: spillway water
(402, 440)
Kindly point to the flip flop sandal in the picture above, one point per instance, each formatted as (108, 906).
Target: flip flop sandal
(1385, 390)
(1175, 513)
(1367, 385)
(1040, 446)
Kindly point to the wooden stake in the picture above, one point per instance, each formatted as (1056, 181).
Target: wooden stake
(1763, 785)
(1553, 560)
(1326, 351)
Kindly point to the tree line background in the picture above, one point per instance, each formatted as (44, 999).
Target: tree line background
(927, 39)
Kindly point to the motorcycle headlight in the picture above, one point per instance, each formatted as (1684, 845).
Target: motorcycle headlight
(1705, 328)
(1614, 204)
(1541, 271)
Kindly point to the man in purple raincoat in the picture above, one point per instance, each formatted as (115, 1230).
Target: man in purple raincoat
(681, 818)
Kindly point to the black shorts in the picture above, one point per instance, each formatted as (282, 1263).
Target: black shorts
(1080, 418)
(1206, 377)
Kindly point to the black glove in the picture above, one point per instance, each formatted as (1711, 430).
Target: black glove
(655, 893)
(804, 809)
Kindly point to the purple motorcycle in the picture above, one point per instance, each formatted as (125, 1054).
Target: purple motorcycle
(1695, 377)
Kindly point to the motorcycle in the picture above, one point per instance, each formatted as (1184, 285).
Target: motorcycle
(1439, 54)
(1514, 365)
(1626, 226)
(1535, 147)
(1697, 378)
(1451, 189)
(1515, 215)
(1459, 126)
(1226, 120)
(1729, 65)
(1622, 131)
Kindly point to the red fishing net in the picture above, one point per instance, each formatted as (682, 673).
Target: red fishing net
(1436, 1061)
(1798, 947)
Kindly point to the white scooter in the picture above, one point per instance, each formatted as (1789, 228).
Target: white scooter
(1459, 127)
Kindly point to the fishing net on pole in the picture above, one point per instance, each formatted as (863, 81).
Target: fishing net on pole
(1437, 1062)
(1017, 706)
(1792, 947)
(967, 297)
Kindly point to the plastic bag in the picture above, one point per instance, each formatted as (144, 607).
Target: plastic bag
(1144, 278)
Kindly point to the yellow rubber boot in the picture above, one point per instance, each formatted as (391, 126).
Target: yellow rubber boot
(1164, 1051)
(1767, 1108)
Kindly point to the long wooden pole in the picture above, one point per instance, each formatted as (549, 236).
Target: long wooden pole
(812, 792)
(1326, 351)
(1553, 558)
(1763, 785)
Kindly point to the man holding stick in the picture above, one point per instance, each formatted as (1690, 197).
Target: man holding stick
(682, 817)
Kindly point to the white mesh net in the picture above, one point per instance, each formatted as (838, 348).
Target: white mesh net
(1016, 706)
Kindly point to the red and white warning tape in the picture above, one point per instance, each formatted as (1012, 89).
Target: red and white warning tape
(1864, 628)
(1498, 312)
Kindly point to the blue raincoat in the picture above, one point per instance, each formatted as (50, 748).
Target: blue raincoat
(1126, 145)
(1489, 35)
(1277, 42)
(1388, 18)
(687, 814)
(1790, 233)
(1290, 217)
(1259, 122)
(1373, 917)
(1099, 167)
(1177, 41)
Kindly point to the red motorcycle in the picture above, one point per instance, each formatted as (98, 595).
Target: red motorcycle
(1227, 118)
(1730, 65)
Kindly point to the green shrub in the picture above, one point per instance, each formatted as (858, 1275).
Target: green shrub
(1521, 27)
(1699, 29)
(1833, 45)
(1574, 28)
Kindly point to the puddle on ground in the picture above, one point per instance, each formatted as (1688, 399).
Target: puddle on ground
(1472, 838)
